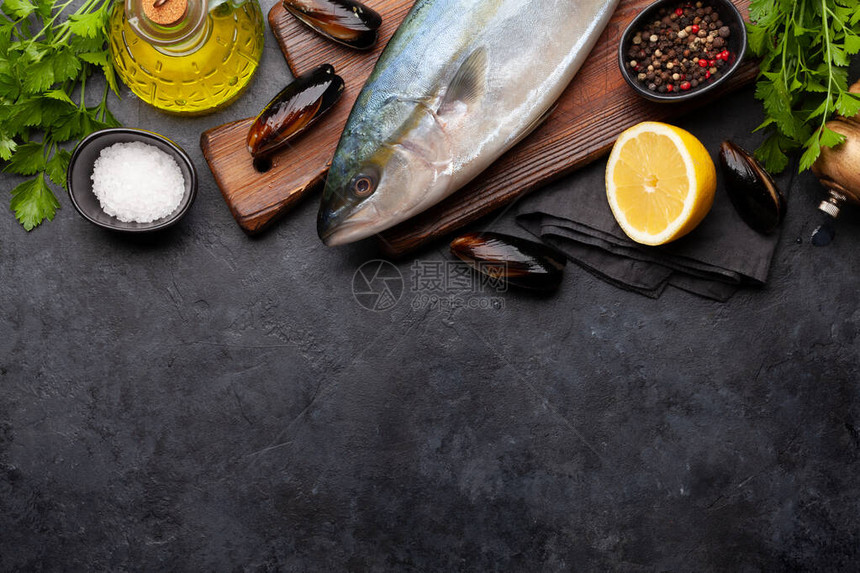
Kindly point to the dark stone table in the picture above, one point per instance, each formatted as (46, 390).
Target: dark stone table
(204, 401)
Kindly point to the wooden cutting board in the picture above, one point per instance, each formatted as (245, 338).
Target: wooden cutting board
(596, 107)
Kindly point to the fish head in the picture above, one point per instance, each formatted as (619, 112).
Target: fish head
(385, 170)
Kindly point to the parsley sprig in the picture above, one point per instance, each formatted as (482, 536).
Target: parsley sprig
(45, 61)
(805, 46)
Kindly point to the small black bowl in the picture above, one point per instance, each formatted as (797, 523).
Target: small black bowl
(80, 184)
(737, 45)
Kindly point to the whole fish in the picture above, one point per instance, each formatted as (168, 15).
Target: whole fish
(460, 83)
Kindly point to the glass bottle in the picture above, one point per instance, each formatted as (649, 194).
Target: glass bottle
(186, 56)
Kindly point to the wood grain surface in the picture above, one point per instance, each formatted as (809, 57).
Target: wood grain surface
(595, 108)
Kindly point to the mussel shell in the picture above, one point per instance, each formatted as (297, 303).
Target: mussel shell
(294, 109)
(751, 189)
(519, 262)
(344, 21)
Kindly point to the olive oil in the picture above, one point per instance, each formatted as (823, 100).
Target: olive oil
(197, 62)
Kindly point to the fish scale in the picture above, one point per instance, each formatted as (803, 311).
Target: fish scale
(459, 84)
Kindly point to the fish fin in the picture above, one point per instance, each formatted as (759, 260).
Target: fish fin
(468, 85)
(532, 127)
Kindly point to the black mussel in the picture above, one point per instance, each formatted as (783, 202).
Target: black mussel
(751, 189)
(290, 113)
(345, 21)
(518, 262)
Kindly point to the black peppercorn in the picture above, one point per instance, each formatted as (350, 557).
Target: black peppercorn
(679, 49)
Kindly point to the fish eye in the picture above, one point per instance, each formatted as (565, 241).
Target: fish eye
(363, 185)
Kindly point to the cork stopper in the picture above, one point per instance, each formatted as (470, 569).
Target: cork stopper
(165, 12)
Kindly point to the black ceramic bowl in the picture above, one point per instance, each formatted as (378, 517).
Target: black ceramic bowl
(736, 45)
(81, 169)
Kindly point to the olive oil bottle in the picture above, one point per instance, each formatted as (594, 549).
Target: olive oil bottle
(186, 56)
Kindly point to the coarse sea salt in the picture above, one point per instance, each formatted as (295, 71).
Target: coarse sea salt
(137, 182)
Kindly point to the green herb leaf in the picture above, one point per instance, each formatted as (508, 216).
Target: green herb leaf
(805, 50)
(6, 28)
(95, 58)
(7, 147)
(19, 8)
(830, 138)
(44, 62)
(59, 95)
(758, 39)
(763, 9)
(771, 155)
(813, 150)
(81, 44)
(852, 43)
(848, 104)
(66, 65)
(68, 126)
(87, 25)
(102, 60)
(53, 108)
(39, 77)
(110, 77)
(44, 8)
(31, 53)
(57, 166)
(838, 56)
(29, 113)
(33, 202)
(28, 159)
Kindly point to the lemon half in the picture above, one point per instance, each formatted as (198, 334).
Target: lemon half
(660, 182)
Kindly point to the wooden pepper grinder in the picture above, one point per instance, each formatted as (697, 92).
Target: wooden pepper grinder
(837, 170)
(837, 167)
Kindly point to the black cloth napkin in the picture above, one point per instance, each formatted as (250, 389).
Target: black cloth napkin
(718, 257)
